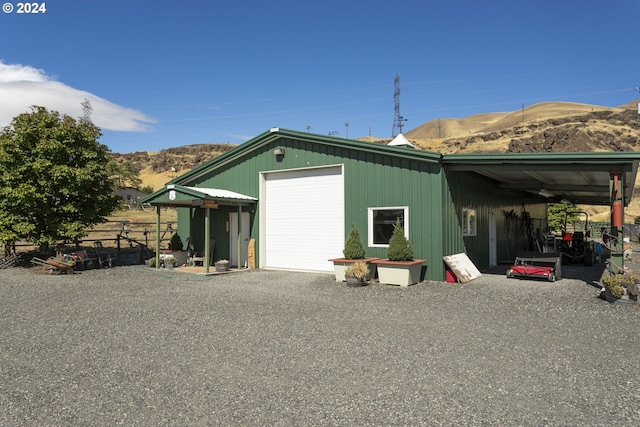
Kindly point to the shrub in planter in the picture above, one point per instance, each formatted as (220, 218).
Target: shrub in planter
(175, 243)
(353, 251)
(399, 247)
(353, 247)
(359, 270)
(356, 274)
(400, 267)
(168, 261)
(621, 285)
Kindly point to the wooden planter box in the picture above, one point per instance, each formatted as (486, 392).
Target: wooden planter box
(401, 273)
(340, 266)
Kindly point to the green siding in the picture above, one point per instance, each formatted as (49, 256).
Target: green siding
(193, 220)
(371, 180)
(373, 177)
(470, 190)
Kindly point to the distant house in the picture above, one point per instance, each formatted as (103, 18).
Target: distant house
(131, 196)
(297, 194)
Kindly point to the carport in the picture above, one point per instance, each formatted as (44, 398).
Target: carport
(596, 178)
(178, 196)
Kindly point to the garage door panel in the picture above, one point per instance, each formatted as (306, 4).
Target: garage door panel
(304, 218)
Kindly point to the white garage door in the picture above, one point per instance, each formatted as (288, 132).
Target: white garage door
(303, 218)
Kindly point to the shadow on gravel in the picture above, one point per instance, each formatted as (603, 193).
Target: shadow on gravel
(581, 272)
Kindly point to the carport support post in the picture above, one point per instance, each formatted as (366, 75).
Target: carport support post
(616, 186)
(157, 236)
(207, 237)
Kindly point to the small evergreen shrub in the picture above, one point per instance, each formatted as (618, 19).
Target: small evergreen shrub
(175, 244)
(399, 247)
(353, 247)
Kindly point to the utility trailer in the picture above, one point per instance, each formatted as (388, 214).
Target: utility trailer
(535, 265)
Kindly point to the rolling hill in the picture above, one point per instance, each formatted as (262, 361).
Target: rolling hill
(544, 127)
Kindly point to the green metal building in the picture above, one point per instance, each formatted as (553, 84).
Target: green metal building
(297, 195)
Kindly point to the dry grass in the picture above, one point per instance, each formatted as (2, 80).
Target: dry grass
(440, 129)
(155, 180)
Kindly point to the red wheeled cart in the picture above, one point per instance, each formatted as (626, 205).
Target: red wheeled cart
(537, 266)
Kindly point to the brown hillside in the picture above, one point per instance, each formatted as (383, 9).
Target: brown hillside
(549, 127)
(156, 168)
(544, 127)
(495, 122)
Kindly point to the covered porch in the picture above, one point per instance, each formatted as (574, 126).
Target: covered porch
(207, 200)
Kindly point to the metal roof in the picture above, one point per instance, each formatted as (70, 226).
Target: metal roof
(579, 178)
(216, 193)
(178, 195)
(275, 134)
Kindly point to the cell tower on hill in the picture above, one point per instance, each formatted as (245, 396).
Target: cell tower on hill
(87, 109)
(397, 118)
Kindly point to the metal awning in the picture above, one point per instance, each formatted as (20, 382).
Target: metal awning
(578, 178)
(182, 196)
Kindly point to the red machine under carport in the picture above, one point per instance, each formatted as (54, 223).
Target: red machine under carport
(537, 266)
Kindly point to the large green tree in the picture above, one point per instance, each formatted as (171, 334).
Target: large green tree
(54, 183)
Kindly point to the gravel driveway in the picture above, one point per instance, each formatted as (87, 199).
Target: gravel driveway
(137, 346)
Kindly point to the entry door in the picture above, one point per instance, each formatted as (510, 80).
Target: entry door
(233, 238)
(493, 255)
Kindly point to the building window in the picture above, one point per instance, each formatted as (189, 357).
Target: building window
(382, 222)
(468, 222)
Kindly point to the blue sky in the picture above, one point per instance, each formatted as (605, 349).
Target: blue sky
(162, 73)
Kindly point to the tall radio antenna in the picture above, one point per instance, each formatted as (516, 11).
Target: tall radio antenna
(87, 109)
(397, 118)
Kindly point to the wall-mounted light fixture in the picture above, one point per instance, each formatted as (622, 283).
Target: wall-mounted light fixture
(279, 153)
(566, 201)
(545, 193)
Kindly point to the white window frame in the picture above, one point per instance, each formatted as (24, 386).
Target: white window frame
(469, 222)
(370, 216)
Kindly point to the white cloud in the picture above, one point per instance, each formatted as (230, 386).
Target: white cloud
(22, 86)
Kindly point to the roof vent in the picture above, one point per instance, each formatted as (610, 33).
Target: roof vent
(401, 141)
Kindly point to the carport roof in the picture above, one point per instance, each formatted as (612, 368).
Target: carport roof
(580, 178)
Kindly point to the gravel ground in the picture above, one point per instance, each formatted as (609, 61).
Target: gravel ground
(137, 346)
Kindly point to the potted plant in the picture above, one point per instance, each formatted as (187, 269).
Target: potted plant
(168, 261)
(400, 267)
(222, 265)
(621, 289)
(356, 274)
(353, 251)
(176, 249)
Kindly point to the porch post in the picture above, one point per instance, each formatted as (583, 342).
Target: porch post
(239, 236)
(157, 236)
(616, 242)
(207, 236)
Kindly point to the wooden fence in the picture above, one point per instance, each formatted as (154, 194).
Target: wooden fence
(120, 235)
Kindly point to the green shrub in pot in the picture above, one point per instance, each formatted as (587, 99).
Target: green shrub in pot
(353, 247)
(399, 247)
